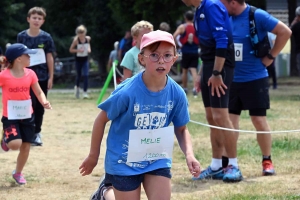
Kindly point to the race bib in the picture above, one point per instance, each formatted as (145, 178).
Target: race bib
(37, 58)
(155, 144)
(238, 50)
(83, 47)
(19, 109)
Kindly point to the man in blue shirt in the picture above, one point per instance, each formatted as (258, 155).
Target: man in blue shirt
(249, 89)
(217, 53)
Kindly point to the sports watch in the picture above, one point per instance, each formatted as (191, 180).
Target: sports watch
(270, 56)
(216, 73)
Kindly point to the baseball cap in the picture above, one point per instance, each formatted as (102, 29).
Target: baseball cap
(298, 11)
(156, 36)
(16, 50)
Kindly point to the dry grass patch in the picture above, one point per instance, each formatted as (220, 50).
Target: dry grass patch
(52, 170)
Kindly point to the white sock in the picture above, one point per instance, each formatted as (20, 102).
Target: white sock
(233, 162)
(216, 164)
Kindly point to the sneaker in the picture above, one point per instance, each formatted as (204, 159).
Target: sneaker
(3, 143)
(37, 141)
(208, 173)
(85, 95)
(195, 93)
(19, 178)
(76, 92)
(268, 168)
(99, 193)
(232, 174)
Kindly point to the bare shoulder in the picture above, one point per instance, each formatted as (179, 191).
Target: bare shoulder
(88, 38)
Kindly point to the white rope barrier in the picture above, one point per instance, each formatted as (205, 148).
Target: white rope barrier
(243, 131)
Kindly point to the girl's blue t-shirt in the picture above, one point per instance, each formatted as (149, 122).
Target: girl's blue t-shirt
(132, 106)
(250, 68)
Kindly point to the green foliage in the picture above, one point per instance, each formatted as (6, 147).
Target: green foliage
(106, 20)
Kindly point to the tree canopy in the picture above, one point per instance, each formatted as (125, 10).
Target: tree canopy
(106, 20)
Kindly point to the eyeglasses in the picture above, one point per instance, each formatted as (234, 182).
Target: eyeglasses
(154, 57)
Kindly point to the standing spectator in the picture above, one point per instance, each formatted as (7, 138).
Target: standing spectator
(58, 66)
(295, 26)
(35, 38)
(164, 26)
(130, 63)
(189, 48)
(271, 68)
(217, 55)
(249, 89)
(82, 48)
(113, 55)
(124, 45)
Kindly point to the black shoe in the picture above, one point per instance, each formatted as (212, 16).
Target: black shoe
(37, 141)
(99, 193)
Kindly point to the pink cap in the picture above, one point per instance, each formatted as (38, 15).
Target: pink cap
(156, 36)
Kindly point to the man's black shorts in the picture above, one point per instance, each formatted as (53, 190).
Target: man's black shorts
(189, 60)
(252, 96)
(208, 99)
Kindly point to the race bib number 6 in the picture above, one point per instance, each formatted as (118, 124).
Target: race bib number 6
(238, 50)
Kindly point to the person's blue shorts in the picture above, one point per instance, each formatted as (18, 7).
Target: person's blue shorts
(130, 183)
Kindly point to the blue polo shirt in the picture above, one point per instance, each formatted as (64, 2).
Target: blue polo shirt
(214, 32)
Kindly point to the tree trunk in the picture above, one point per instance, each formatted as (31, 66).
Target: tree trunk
(292, 5)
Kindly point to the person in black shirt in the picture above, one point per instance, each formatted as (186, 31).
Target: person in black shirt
(42, 64)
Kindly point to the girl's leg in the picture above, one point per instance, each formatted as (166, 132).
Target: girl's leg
(157, 187)
(85, 67)
(78, 73)
(125, 195)
(23, 156)
(14, 144)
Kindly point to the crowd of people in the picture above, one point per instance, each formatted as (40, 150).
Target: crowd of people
(233, 77)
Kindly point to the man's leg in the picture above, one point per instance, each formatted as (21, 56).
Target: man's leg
(265, 143)
(184, 79)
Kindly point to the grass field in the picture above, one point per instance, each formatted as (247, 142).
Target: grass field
(52, 170)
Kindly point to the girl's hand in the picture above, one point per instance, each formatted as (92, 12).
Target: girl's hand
(47, 105)
(88, 165)
(193, 165)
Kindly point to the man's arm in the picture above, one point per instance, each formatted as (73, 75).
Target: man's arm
(283, 34)
(180, 30)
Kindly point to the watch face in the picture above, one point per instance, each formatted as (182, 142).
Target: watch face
(216, 73)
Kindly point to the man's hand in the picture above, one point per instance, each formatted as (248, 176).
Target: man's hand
(216, 83)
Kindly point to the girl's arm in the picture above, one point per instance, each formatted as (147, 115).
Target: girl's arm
(40, 95)
(89, 41)
(97, 134)
(184, 140)
(72, 47)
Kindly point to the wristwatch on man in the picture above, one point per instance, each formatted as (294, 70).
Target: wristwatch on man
(270, 56)
(216, 73)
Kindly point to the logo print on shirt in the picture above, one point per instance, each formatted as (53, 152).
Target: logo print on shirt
(170, 105)
(19, 89)
(202, 16)
(219, 28)
(136, 109)
(41, 46)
